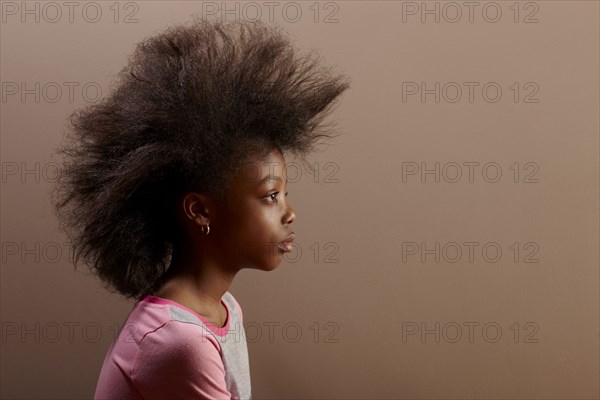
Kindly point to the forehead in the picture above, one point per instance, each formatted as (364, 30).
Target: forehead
(259, 171)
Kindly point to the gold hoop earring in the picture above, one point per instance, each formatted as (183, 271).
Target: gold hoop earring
(207, 228)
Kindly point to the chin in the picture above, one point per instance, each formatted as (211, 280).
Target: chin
(271, 267)
(272, 263)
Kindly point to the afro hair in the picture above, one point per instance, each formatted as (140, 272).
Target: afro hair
(189, 108)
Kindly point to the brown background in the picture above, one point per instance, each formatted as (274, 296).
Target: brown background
(57, 324)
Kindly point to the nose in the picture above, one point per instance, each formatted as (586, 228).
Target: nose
(289, 216)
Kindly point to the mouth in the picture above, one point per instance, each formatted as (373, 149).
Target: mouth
(286, 244)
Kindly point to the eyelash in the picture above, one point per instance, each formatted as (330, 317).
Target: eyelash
(275, 194)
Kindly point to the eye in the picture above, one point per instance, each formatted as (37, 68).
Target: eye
(273, 196)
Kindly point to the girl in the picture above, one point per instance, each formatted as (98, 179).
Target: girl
(175, 182)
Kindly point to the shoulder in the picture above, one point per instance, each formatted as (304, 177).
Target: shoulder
(179, 358)
(178, 345)
(174, 336)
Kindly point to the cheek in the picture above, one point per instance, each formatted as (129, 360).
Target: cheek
(259, 225)
(250, 222)
(261, 233)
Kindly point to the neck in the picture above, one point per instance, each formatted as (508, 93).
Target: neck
(197, 277)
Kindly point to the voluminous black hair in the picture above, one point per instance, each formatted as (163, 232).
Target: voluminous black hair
(190, 108)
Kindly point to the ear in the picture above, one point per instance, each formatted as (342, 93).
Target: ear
(197, 208)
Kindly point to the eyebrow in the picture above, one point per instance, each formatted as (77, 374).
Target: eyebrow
(271, 178)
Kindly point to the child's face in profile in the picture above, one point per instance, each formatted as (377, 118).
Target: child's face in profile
(257, 215)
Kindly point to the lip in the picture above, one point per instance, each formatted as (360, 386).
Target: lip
(289, 239)
(286, 244)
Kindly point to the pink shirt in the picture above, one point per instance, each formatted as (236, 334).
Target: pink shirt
(167, 351)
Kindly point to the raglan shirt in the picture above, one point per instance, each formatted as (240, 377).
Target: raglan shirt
(167, 351)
